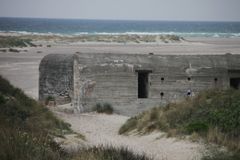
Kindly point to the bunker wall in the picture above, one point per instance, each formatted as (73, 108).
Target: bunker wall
(56, 78)
(113, 78)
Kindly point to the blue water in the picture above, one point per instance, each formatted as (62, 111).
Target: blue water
(82, 27)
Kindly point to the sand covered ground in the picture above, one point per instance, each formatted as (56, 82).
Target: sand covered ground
(21, 68)
(102, 129)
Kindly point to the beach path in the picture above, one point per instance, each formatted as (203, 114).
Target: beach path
(102, 129)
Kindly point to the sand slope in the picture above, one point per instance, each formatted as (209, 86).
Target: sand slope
(102, 129)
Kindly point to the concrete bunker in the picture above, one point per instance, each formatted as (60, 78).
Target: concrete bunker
(133, 83)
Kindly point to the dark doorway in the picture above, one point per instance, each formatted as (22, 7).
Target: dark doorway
(143, 84)
(235, 83)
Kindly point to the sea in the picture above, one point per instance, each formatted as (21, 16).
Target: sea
(75, 27)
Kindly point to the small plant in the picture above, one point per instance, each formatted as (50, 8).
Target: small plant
(103, 108)
(13, 50)
(197, 127)
(48, 99)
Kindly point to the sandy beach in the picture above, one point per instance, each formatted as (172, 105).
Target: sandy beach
(21, 69)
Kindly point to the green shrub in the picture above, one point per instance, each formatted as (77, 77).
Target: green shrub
(107, 108)
(98, 108)
(197, 127)
(103, 108)
(49, 98)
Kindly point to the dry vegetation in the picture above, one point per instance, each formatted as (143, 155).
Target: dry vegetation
(213, 115)
(27, 131)
(107, 153)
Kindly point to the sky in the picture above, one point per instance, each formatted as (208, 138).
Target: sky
(187, 10)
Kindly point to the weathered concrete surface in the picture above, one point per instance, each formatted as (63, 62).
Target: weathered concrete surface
(113, 78)
(56, 78)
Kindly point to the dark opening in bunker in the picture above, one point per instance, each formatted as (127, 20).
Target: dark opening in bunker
(143, 83)
(235, 83)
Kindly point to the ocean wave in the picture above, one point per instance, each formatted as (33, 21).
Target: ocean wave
(34, 33)
(181, 34)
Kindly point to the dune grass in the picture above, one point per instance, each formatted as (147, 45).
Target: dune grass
(221, 155)
(17, 109)
(107, 153)
(18, 144)
(27, 128)
(213, 115)
(8, 41)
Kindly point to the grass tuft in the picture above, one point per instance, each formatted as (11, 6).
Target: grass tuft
(128, 126)
(221, 155)
(107, 153)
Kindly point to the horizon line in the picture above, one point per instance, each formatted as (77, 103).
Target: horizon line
(96, 19)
